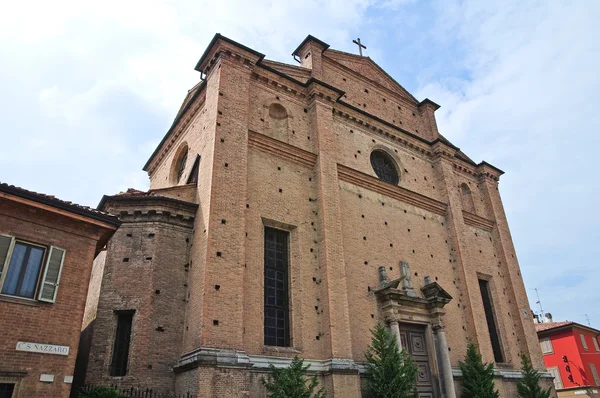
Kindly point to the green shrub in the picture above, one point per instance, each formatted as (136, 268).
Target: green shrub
(529, 385)
(391, 373)
(478, 377)
(101, 392)
(290, 382)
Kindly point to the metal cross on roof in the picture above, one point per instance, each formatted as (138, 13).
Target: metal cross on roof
(360, 46)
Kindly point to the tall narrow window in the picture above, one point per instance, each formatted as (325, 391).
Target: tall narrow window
(120, 356)
(595, 341)
(491, 321)
(277, 324)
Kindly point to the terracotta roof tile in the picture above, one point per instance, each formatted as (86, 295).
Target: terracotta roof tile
(63, 204)
(540, 327)
(134, 192)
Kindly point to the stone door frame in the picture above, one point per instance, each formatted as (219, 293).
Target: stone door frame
(402, 306)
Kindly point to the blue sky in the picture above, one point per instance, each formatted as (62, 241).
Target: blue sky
(88, 90)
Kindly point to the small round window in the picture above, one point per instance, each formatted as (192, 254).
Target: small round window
(385, 167)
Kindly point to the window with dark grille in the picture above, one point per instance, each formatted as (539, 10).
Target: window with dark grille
(384, 167)
(277, 325)
(120, 355)
(484, 287)
(6, 390)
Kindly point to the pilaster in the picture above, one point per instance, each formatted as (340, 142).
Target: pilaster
(310, 56)
(427, 108)
(465, 273)
(331, 260)
(527, 340)
(222, 323)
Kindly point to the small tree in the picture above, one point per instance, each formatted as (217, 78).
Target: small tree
(529, 385)
(290, 382)
(391, 373)
(478, 377)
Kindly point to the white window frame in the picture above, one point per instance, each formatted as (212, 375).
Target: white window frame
(583, 342)
(555, 372)
(41, 278)
(596, 346)
(546, 346)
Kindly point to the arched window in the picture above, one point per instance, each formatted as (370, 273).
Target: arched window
(385, 167)
(467, 198)
(179, 163)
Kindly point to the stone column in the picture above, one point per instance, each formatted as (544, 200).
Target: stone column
(395, 331)
(444, 359)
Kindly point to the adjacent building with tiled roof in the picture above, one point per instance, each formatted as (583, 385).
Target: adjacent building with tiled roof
(47, 247)
(571, 353)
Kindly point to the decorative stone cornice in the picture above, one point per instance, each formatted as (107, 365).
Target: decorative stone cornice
(316, 88)
(371, 183)
(281, 149)
(385, 130)
(271, 80)
(476, 221)
(224, 358)
(136, 209)
(486, 171)
(504, 373)
(223, 46)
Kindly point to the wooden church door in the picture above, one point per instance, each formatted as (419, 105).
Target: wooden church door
(415, 343)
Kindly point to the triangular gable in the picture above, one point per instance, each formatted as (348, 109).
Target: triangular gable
(369, 69)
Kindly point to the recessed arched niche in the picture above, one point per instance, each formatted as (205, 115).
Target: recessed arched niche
(277, 122)
(467, 198)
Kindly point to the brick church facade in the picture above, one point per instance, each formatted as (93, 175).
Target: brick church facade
(290, 209)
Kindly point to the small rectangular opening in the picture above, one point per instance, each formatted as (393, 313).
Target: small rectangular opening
(6, 390)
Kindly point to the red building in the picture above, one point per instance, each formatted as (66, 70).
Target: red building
(571, 353)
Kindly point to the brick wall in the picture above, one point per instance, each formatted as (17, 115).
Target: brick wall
(310, 174)
(145, 270)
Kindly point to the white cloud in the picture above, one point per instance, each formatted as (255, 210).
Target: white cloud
(527, 104)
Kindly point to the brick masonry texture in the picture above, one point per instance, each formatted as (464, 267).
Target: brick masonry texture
(55, 323)
(289, 147)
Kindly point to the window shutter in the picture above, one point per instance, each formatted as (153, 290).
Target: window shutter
(556, 374)
(583, 343)
(49, 285)
(595, 374)
(6, 244)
